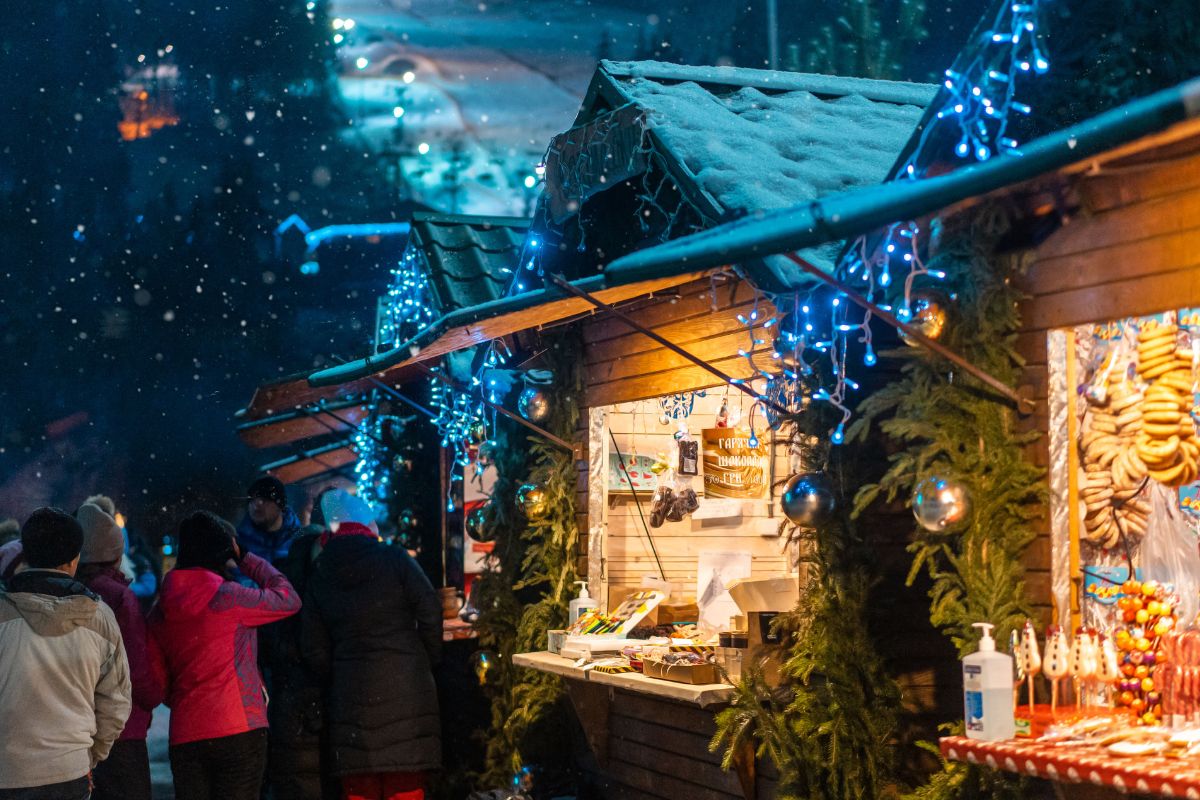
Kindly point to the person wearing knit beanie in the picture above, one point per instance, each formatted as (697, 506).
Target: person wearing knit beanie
(105, 503)
(125, 774)
(103, 539)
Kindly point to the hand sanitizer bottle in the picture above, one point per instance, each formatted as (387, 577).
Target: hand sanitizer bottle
(988, 691)
(582, 604)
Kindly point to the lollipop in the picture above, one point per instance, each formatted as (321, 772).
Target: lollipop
(1029, 657)
(1056, 661)
(1085, 663)
(1110, 664)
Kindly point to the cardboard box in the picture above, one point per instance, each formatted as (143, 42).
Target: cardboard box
(766, 646)
(681, 673)
(776, 593)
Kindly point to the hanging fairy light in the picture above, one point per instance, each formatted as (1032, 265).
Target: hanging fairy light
(977, 106)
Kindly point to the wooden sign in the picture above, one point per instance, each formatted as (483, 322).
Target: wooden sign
(732, 468)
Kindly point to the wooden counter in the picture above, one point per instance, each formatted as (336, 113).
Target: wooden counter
(704, 695)
(650, 737)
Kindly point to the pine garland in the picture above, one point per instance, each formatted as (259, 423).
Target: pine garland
(828, 727)
(951, 425)
(527, 589)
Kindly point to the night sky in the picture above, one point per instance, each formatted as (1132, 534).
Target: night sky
(150, 149)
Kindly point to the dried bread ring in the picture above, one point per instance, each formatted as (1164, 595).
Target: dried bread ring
(1156, 351)
(1129, 417)
(1157, 449)
(1161, 430)
(1157, 370)
(1169, 475)
(1121, 405)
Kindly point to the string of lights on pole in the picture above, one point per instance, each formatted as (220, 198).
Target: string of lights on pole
(976, 108)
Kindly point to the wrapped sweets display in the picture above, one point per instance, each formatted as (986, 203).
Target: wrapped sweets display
(1148, 612)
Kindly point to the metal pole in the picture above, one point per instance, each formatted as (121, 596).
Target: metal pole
(563, 283)
(773, 34)
(1023, 404)
(563, 443)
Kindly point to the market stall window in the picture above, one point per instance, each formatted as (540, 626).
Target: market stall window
(688, 503)
(1126, 558)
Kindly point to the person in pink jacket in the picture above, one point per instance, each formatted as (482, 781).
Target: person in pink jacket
(204, 647)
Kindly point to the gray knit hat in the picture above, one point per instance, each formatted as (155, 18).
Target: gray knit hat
(103, 539)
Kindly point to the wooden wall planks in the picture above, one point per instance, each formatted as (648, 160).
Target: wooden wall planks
(702, 318)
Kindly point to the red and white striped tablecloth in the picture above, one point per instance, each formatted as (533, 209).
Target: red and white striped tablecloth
(1168, 777)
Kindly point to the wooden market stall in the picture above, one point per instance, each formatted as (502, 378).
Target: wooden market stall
(1105, 236)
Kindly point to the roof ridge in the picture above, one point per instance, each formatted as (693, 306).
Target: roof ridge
(440, 218)
(880, 91)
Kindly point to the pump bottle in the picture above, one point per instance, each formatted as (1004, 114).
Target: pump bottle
(988, 691)
(582, 604)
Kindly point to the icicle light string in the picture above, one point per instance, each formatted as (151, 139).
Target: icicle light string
(979, 100)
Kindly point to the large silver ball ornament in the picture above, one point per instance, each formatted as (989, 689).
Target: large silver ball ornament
(533, 404)
(808, 499)
(477, 527)
(941, 504)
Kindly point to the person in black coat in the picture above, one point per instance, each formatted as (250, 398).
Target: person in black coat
(295, 712)
(372, 629)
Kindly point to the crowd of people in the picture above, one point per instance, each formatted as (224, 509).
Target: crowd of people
(296, 661)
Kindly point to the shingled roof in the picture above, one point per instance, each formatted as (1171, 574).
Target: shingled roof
(743, 141)
(469, 259)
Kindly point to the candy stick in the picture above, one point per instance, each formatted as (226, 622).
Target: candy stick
(1055, 662)
(1031, 658)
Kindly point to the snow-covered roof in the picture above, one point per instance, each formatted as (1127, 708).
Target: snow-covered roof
(758, 140)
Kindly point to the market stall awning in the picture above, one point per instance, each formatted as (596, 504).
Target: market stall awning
(487, 321)
(318, 462)
(304, 423)
(851, 213)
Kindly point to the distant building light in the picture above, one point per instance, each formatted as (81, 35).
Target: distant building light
(362, 62)
(530, 181)
(409, 76)
(337, 38)
(398, 112)
(310, 268)
(349, 24)
(338, 23)
(423, 148)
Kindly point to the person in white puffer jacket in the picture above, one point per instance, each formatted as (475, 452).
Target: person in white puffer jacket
(64, 678)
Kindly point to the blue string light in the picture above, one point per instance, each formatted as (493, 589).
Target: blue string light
(978, 104)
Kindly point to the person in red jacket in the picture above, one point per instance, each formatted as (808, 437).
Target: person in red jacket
(204, 646)
(125, 774)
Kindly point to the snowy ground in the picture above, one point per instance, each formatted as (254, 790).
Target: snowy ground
(492, 80)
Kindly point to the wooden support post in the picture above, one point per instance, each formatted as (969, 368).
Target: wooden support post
(743, 765)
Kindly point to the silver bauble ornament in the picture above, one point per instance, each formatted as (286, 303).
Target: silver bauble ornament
(808, 499)
(533, 404)
(941, 504)
(477, 527)
(927, 314)
(532, 501)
